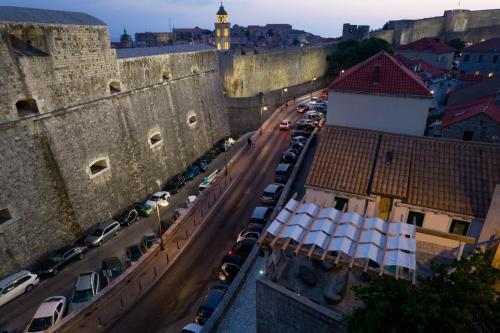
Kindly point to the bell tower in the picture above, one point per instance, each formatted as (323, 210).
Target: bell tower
(222, 30)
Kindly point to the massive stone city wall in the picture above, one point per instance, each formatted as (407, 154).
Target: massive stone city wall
(249, 74)
(47, 185)
(470, 26)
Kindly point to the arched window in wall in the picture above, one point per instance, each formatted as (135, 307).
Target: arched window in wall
(27, 107)
(226, 32)
(218, 46)
(218, 32)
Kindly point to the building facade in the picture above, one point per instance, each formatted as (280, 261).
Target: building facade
(430, 50)
(482, 59)
(379, 94)
(222, 30)
(152, 39)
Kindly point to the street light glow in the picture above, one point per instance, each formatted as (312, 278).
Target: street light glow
(285, 90)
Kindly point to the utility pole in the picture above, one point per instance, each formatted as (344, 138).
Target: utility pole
(162, 247)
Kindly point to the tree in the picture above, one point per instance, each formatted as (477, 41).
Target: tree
(351, 52)
(464, 300)
(457, 44)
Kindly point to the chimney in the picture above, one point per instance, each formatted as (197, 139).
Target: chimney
(497, 99)
(376, 75)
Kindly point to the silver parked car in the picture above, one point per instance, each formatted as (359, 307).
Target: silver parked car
(87, 286)
(102, 233)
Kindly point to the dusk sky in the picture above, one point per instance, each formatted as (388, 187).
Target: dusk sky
(322, 17)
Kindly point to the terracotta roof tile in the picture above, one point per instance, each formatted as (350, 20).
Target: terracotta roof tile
(381, 74)
(427, 44)
(448, 175)
(458, 112)
(424, 67)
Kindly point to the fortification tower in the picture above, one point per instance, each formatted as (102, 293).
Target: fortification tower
(222, 30)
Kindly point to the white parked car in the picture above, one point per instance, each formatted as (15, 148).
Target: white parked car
(87, 286)
(285, 124)
(17, 284)
(208, 180)
(314, 115)
(161, 198)
(48, 314)
(190, 199)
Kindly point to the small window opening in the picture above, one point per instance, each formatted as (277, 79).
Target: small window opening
(415, 217)
(192, 120)
(459, 227)
(389, 157)
(341, 203)
(165, 75)
(155, 139)
(5, 215)
(27, 107)
(98, 167)
(115, 87)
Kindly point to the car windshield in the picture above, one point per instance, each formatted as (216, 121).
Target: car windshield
(135, 254)
(56, 257)
(40, 324)
(97, 232)
(230, 270)
(268, 193)
(82, 296)
(155, 197)
(115, 270)
(146, 206)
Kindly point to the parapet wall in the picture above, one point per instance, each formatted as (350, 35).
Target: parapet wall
(470, 26)
(47, 183)
(246, 75)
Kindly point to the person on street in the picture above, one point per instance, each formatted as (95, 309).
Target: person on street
(249, 141)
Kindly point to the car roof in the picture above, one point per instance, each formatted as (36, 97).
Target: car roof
(48, 307)
(13, 277)
(212, 299)
(282, 167)
(272, 187)
(260, 212)
(103, 225)
(84, 281)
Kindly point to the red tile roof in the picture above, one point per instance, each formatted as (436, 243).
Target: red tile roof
(394, 78)
(490, 45)
(427, 45)
(448, 175)
(424, 66)
(458, 112)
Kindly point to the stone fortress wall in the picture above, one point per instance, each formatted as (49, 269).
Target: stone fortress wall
(46, 183)
(470, 26)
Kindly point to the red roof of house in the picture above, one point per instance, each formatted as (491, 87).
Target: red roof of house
(490, 45)
(427, 44)
(471, 77)
(458, 112)
(392, 78)
(424, 66)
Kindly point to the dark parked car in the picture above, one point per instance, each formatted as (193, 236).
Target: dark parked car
(58, 259)
(208, 306)
(112, 267)
(305, 134)
(297, 145)
(282, 172)
(271, 193)
(289, 157)
(175, 184)
(148, 241)
(243, 247)
(144, 209)
(202, 164)
(129, 216)
(230, 267)
(192, 172)
(306, 127)
(261, 215)
(134, 253)
(252, 231)
(293, 150)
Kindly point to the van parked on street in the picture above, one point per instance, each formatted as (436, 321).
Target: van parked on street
(17, 284)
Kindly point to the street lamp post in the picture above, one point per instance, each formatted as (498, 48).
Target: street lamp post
(262, 108)
(162, 247)
(225, 156)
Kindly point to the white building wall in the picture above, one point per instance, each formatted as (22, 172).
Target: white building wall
(403, 115)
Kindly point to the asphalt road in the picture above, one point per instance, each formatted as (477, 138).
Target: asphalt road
(15, 315)
(173, 301)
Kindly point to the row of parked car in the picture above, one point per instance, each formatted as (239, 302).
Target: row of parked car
(88, 284)
(233, 261)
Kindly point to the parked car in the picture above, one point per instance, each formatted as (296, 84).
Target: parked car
(230, 267)
(129, 216)
(111, 267)
(285, 124)
(102, 233)
(282, 172)
(289, 157)
(148, 241)
(87, 286)
(17, 284)
(49, 313)
(294, 145)
(225, 144)
(208, 305)
(161, 198)
(252, 231)
(202, 164)
(271, 193)
(294, 150)
(305, 121)
(306, 125)
(314, 115)
(144, 209)
(260, 215)
(191, 328)
(60, 258)
(190, 200)
(192, 172)
(134, 253)
(175, 184)
(207, 181)
(243, 247)
(301, 108)
(178, 212)
(299, 139)
(301, 133)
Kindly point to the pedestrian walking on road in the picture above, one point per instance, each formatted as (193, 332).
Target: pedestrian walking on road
(294, 97)
(249, 141)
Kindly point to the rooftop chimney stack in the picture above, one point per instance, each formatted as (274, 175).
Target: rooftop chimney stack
(376, 75)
